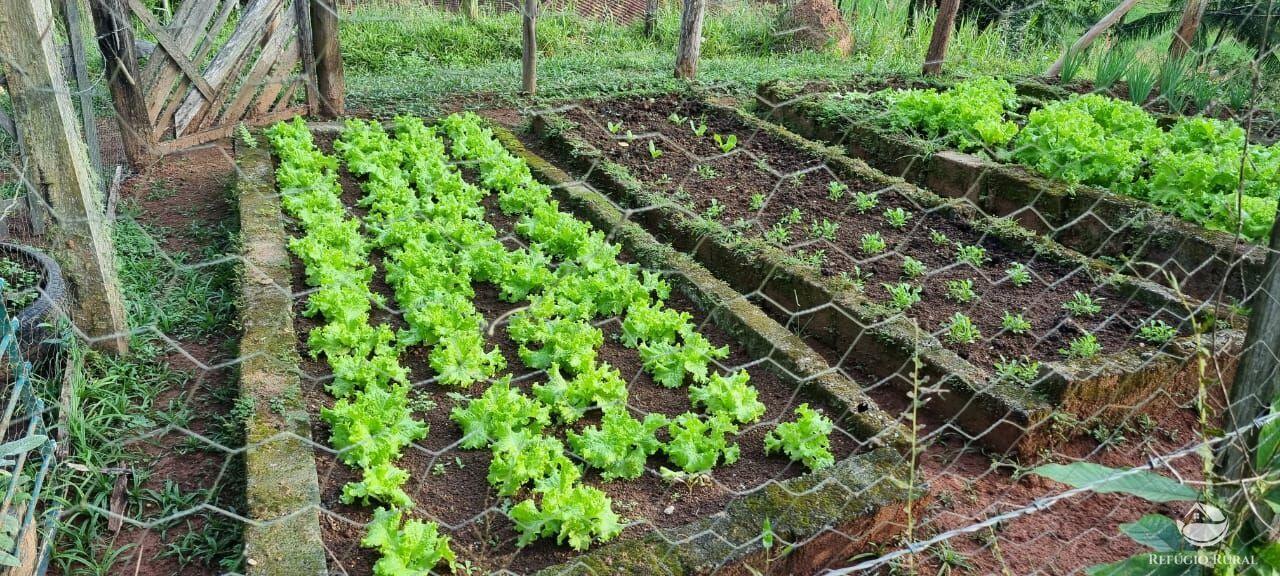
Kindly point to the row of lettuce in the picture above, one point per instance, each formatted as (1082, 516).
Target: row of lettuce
(429, 224)
(1200, 169)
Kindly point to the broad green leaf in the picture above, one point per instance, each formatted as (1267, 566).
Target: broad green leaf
(1155, 531)
(1144, 565)
(1104, 480)
(22, 445)
(1269, 441)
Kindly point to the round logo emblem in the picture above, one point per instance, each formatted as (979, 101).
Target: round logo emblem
(1203, 525)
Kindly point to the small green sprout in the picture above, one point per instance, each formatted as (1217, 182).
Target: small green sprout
(706, 172)
(795, 216)
(1015, 323)
(825, 230)
(1157, 332)
(615, 127)
(757, 201)
(1023, 371)
(960, 330)
(1018, 274)
(897, 217)
(654, 151)
(902, 295)
(676, 118)
(961, 290)
(1082, 304)
(726, 144)
(873, 243)
(779, 234)
(913, 268)
(938, 238)
(715, 209)
(856, 280)
(1086, 346)
(836, 190)
(863, 201)
(698, 130)
(975, 255)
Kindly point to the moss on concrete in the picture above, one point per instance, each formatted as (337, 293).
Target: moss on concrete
(281, 486)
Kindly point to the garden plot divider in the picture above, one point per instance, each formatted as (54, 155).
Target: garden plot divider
(1001, 414)
(1087, 219)
(827, 515)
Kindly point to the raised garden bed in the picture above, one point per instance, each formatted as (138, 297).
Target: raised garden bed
(726, 207)
(1150, 242)
(684, 523)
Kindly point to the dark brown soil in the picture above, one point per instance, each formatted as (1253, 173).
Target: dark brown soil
(449, 485)
(792, 179)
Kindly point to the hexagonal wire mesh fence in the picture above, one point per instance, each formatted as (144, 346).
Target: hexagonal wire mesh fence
(984, 326)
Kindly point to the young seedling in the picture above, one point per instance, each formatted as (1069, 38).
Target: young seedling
(795, 216)
(873, 243)
(836, 190)
(856, 280)
(706, 172)
(825, 230)
(726, 143)
(630, 136)
(1086, 346)
(961, 330)
(961, 291)
(715, 209)
(1082, 304)
(698, 130)
(779, 234)
(757, 201)
(913, 268)
(1157, 332)
(938, 238)
(897, 218)
(615, 127)
(1018, 274)
(654, 151)
(974, 255)
(676, 118)
(1023, 371)
(863, 202)
(813, 259)
(1015, 323)
(902, 295)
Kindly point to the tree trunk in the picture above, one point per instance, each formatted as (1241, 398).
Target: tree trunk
(1187, 27)
(650, 18)
(471, 8)
(1106, 22)
(330, 80)
(942, 28)
(529, 61)
(120, 62)
(690, 45)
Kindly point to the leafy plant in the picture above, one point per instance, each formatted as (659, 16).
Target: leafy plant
(705, 171)
(779, 234)
(961, 290)
(731, 396)
(726, 144)
(413, 547)
(676, 118)
(714, 210)
(698, 444)
(650, 322)
(614, 127)
(654, 151)
(670, 363)
(938, 238)
(1018, 274)
(1112, 66)
(1088, 139)
(864, 201)
(974, 255)
(1157, 332)
(1022, 371)
(1015, 323)
(569, 511)
(757, 201)
(913, 268)
(374, 427)
(960, 330)
(698, 130)
(497, 413)
(836, 190)
(620, 444)
(1172, 77)
(971, 113)
(902, 295)
(1141, 80)
(600, 385)
(873, 243)
(1072, 64)
(807, 439)
(795, 216)
(1085, 346)
(1082, 304)
(897, 218)
(825, 230)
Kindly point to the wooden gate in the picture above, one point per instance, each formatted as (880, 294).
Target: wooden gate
(217, 64)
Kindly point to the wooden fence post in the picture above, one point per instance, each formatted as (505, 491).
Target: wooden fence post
(946, 21)
(58, 171)
(1088, 38)
(650, 18)
(471, 8)
(120, 59)
(690, 45)
(1186, 31)
(529, 59)
(80, 67)
(330, 80)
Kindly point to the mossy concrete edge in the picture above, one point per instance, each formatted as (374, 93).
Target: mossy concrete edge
(281, 487)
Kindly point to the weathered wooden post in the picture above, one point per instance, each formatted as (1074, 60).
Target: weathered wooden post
(58, 171)
(120, 60)
(942, 27)
(1185, 34)
(650, 18)
(690, 45)
(471, 8)
(529, 58)
(330, 81)
(1089, 36)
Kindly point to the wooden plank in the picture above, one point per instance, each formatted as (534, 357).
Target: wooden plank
(171, 48)
(162, 73)
(1084, 41)
(303, 10)
(206, 114)
(229, 59)
(225, 130)
(58, 167)
(84, 88)
(164, 120)
(270, 56)
(6, 125)
(281, 77)
(286, 98)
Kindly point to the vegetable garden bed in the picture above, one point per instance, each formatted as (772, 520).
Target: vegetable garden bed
(1150, 241)
(514, 322)
(780, 219)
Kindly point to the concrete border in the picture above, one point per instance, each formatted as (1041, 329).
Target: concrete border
(1002, 415)
(1088, 219)
(281, 487)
